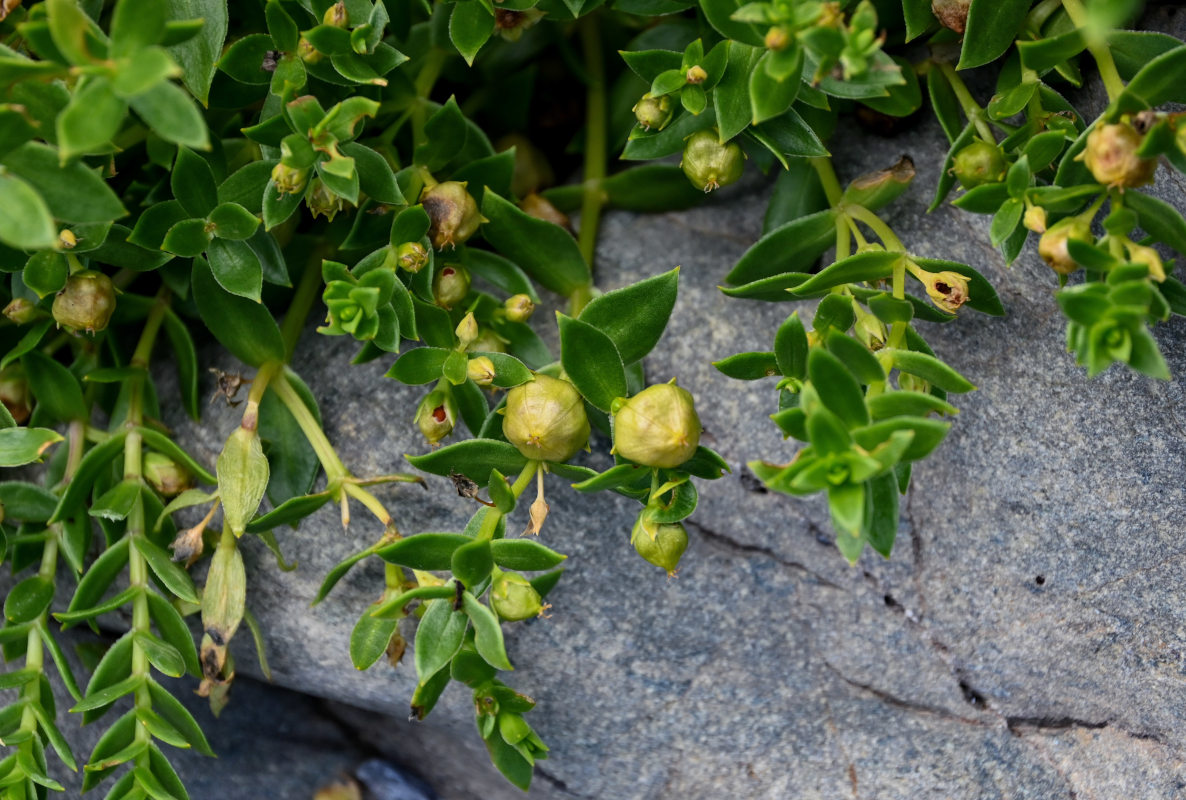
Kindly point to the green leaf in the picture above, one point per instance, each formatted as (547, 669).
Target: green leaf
(369, 639)
(870, 266)
(173, 630)
(425, 551)
(245, 328)
(471, 563)
(91, 120)
(1157, 82)
(547, 252)
(108, 695)
(838, 389)
(792, 247)
(73, 192)
(199, 56)
(438, 638)
(290, 512)
(374, 174)
(99, 576)
(20, 446)
(236, 268)
(1159, 219)
(720, 16)
(524, 555)
(635, 316)
(731, 98)
(233, 221)
(27, 502)
(927, 435)
(338, 572)
(170, 112)
(749, 366)
(931, 369)
(592, 362)
(136, 24)
(193, 183)
(487, 633)
(846, 503)
(992, 26)
(57, 391)
(179, 717)
(161, 654)
(470, 26)
(28, 599)
(473, 458)
(175, 579)
(116, 503)
(25, 221)
(862, 363)
(902, 403)
(791, 348)
(419, 366)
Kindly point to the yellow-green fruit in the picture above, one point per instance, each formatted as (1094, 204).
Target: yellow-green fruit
(662, 544)
(545, 419)
(86, 302)
(289, 180)
(513, 598)
(481, 371)
(1052, 247)
(653, 112)
(1111, 155)
(436, 416)
(979, 163)
(453, 213)
(487, 342)
(519, 308)
(658, 427)
(709, 164)
(15, 394)
(165, 475)
(451, 285)
(412, 256)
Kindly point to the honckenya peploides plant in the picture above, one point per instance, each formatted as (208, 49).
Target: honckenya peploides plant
(178, 170)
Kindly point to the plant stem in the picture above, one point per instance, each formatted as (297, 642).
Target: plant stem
(878, 226)
(828, 180)
(434, 62)
(335, 470)
(493, 515)
(972, 109)
(595, 136)
(1098, 47)
(302, 303)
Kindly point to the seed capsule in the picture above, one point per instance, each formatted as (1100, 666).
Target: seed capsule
(289, 180)
(1111, 155)
(661, 544)
(21, 311)
(322, 200)
(1052, 247)
(15, 394)
(979, 163)
(545, 419)
(709, 164)
(453, 213)
(165, 475)
(480, 370)
(519, 308)
(436, 416)
(412, 256)
(86, 302)
(514, 598)
(653, 112)
(243, 473)
(451, 285)
(487, 342)
(658, 427)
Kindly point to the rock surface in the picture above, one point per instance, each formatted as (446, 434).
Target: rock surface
(1026, 640)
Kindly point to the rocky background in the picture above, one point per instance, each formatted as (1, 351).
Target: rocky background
(1026, 640)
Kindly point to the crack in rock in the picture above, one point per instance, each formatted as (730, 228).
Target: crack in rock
(893, 700)
(755, 549)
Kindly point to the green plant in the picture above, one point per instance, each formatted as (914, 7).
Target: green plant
(133, 205)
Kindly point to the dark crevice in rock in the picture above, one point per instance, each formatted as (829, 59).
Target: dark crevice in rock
(1044, 724)
(893, 700)
(558, 784)
(971, 696)
(740, 547)
(361, 744)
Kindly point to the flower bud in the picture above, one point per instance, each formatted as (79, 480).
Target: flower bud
(545, 419)
(696, 74)
(336, 16)
(1052, 247)
(467, 330)
(436, 416)
(15, 394)
(1139, 254)
(480, 370)
(411, 256)
(979, 163)
(952, 14)
(289, 180)
(165, 475)
(947, 290)
(658, 427)
(777, 38)
(21, 311)
(540, 207)
(453, 212)
(519, 308)
(451, 285)
(514, 598)
(1111, 155)
(661, 544)
(487, 342)
(510, 24)
(653, 112)
(307, 52)
(709, 164)
(67, 240)
(323, 200)
(86, 302)
(1035, 219)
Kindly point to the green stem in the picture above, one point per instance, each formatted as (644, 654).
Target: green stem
(493, 515)
(1098, 46)
(828, 180)
(335, 470)
(434, 62)
(878, 226)
(302, 303)
(596, 129)
(972, 109)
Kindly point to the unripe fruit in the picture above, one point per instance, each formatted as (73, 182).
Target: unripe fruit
(1052, 247)
(480, 370)
(487, 342)
(1035, 219)
(336, 16)
(466, 330)
(952, 13)
(696, 74)
(165, 475)
(1139, 254)
(289, 180)
(540, 207)
(411, 256)
(21, 311)
(653, 112)
(979, 163)
(658, 427)
(307, 52)
(15, 394)
(709, 164)
(545, 419)
(661, 544)
(519, 308)
(1111, 155)
(451, 285)
(86, 302)
(777, 38)
(322, 200)
(453, 213)
(514, 598)
(436, 416)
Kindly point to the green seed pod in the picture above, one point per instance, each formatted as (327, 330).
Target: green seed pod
(289, 180)
(545, 419)
(412, 256)
(480, 370)
(21, 311)
(336, 16)
(453, 213)
(1111, 155)
(979, 163)
(242, 470)
(514, 598)
(653, 112)
(436, 416)
(451, 285)
(86, 302)
(165, 475)
(15, 394)
(661, 544)
(658, 427)
(466, 330)
(519, 308)
(1052, 247)
(1139, 254)
(322, 200)
(487, 342)
(709, 164)
(1035, 219)
(952, 13)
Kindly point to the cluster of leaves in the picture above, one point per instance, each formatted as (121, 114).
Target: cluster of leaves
(155, 158)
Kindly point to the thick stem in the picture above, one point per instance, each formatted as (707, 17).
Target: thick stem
(828, 180)
(302, 303)
(1098, 46)
(878, 226)
(596, 129)
(972, 109)
(434, 62)
(493, 515)
(335, 470)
